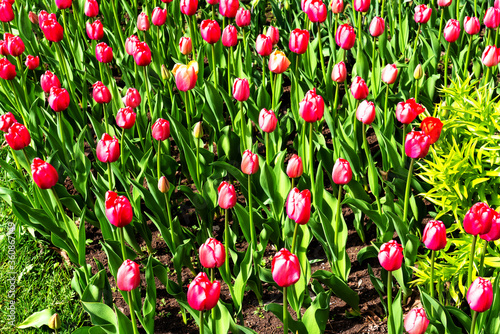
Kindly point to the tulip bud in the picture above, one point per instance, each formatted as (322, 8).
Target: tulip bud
(17, 136)
(299, 40)
(478, 219)
(128, 277)
(95, 30)
(159, 16)
(125, 118)
(161, 129)
(471, 25)
(33, 17)
(165, 74)
(267, 120)
(108, 149)
(337, 6)
(186, 76)
(432, 127)
(278, 62)
(6, 120)
(359, 89)
(48, 80)
(491, 56)
(229, 36)
(32, 62)
(361, 5)
(480, 295)
(63, 4)
(416, 321)
(249, 163)
(58, 99)
(52, 30)
(434, 237)
(243, 17)
(227, 195)
(185, 45)
(418, 73)
(202, 294)
(228, 8)
(345, 36)
(274, 33)
(339, 72)
(377, 26)
(366, 112)
(210, 31)
(118, 209)
(298, 206)
(312, 107)
(444, 3)
(44, 174)
(417, 144)
(163, 185)
(101, 93)
(422, 14)
(143, 22)
(7, 70)
(54, 321)
(212, 253)
(142, 54)
(494, 232)
(342, 172)
(6, 11)
(91, 8)
(492, 18)
(316, 11)
(103, 53)
(452, 30)
(189, 7)
(198, 130)
(130, 44)
(15, 45)
(241, 89)
(295, 167)
(264, 45)
(389, 74)
(285, 268)
(390, 256)
(132, 98)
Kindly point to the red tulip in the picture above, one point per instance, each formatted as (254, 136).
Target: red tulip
(390, 256)
(108, 149)
(377, 26)
(339, 72)
(212, 253)
(452, 30)
(422, 14)
(228, 8)
(185, 45)
(337, 6)
(210, 31)
(298, 206)
(478, 219)
(91, 8)
(132, 98)
(213, 2)
(6, 11)
(227, 195)
(15, 45)
(6, 120)
(432, 127)
(492, 18)
(312, 107)
(274, 33)
(7, 70)
(118, 209)
(3, 48)
(359, 89)
(491, 56)
(496, 4)
(52, 30)
(142, 54)
(202, 294)
(480, 295)
(103, 53)
(33, 17)
(416, 321)
(159, 16)
(189, 7)
(63, 4)
(285, 268)
(243, 17)
(101, 93)
(295, 167)
(389, 74)
(130, 44)
(342, 172)
(161, 129)
(267, 120)
(186, 75)
(128, 277)
(299, 40)
(278, 62)
(264, 45)
(249, 163)
(95, 30)
(229, 36)
(44, 174)
(58, 99)
(407, 111)
(434, 237)
(417, 144)
(444, 3)
(143, 22)
(494, 232)
(366, 112)
(241, 89)
(316, 11)
(43, 15)
(49, 80)
(345, 36)
(17, 136)
(471, 25)
(361, 5)
(125, 118)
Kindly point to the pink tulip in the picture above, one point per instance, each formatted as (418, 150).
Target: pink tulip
(361, 5)
(31, 62)
(241, 89)
(118, 209)
(160, 129)
(478, 219)
(337, 6)
(159, 16)
(130, 44)
(101, 93)
(128, 277)
(264, 45)
(471, 25)
(417, 144)
(339, 72)
(416, 321)
(210, 31)
(390, 256)
(202, 294)
(491, 56)
(229, 36)
(494, 232)
(249, 163)
(186, 76)
(95, 30)
(299, 40)
(108, 149)
(492, 18)
(434, 237)
(444, 3)
(17, 136)
(243, 17)
(132, 98)
(274, 33)
(227, 195)
(312, 107)
(278, 62)
(212, 253)
(366, 112)
(345, 36)
(452, 30)
(295, 167)
(316, 11)
(125, 118)
(267, 120)
(228, 8)
(44, 174)
(342, 172)
(377, 26)
(6, 120)
(185, 45)
(188, 7)
(389, 74)
(422, 14)
(285, 268)
(49, 80)
(298, 206)
(480, 295)
(359, 89)
(58, 99)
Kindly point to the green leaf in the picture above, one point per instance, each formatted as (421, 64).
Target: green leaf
(339, 287)
(37, 319)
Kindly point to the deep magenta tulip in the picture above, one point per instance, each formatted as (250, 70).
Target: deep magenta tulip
(185, 45)
(132, 98)
(285, 268)
(366, 112)
(210, 31)
(101, 93)
(480, 295)
(471, 25)
(422, 14)
(390, 256)
(478, 219)
(7, 69)
(264, 45)
(267, 120)
(63, 4)
(342, 172)
(17, 136)
(159, 16)
(95, 30)
(316, 11)
(417, 144)
(434, 237)
(299, 40)
(243, 17)
(249, 163)
(142, 54)
(345, 36)
(6, 11)
(189, 7)
(416, 321)
(241, 89)
(229, 36)
(452, 30)
(3, 48)
(228, 8)
(298, 206)
(108, 149)
(6, 120)
(58, 99)
(118, 209)
(125, 118)
(103, 53)
(227, 195)
(339, 72)
(15, 45)
(128, 277)
(49, 80)
(52, 30)
(160, 129)
(212, 253)
(361, 5)
(377, 26)
(44, 174)
(494, 232)
(295, 167)
(359, 89)
(432, 127)
(202, 294)
(312, 107)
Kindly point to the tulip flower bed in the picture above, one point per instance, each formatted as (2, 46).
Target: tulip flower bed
(260, 167)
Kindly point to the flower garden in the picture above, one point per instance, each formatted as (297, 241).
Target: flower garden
(258, 166)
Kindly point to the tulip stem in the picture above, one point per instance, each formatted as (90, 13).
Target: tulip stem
(381, 10)
(337, 219)
(294, 240)
(158, 161)
(321, 53)
(273, 84)
(373, 66)
(264, 81)
(471, 261)
(213, 59)
(21, 110)
(403, 157)
(122, 243)
(158, 39)
(416, 90)
(202, 329)
(473, 323)
(213, 12)
(229, 70)
(389, 301)
(431, 285)
(146, 82)
(105, 112)
(416, 41)
(285, 311)
(121, 153)
(23, 81)
(188, 118)
(359, 32)
(250, 214)
(441, 28)
(226, 240)
(335, 105)
(65, 218)
(110, 177)
(17, 161)
(407, 191)
(122, 39)
(311, 162)
(468, 57)
(267, 149)
(371, 169)
(60, 121)
(458, 12)
(293, 183)
(483, 253)
(243, 125)
(385, 105)
(446, 65)
(487, 76)
(132, 314)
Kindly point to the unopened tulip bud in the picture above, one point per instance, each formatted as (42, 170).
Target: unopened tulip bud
(389, 74)
(198, 130)
(128, 277)
(339, 72)
(33, 17)
(54, 321)
(377, 26)
(418, 73)
(295, 167)
(285, 268)
(163, 185)
(416, 321)
(390, 256)
(165, 74)
(342, 172)
(212, 253)
(434, 237)
(480, 295)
